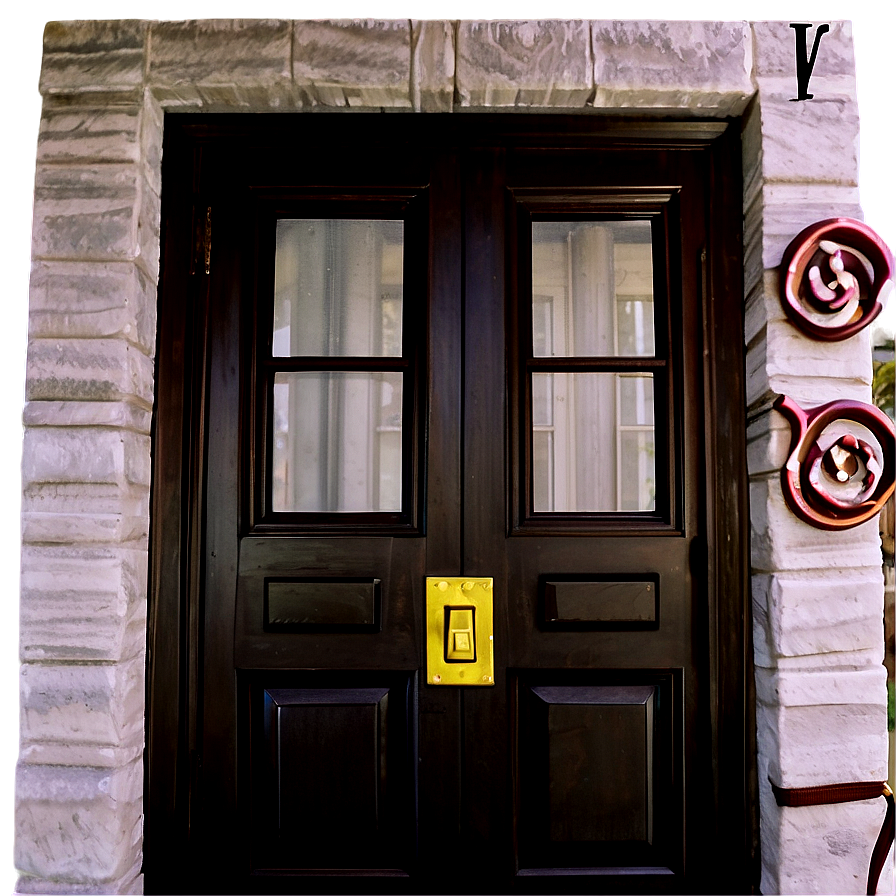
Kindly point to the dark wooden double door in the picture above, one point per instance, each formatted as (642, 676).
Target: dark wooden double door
(296, 739)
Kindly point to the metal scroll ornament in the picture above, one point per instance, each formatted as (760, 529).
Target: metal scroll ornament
(835, 278)
(840, 470)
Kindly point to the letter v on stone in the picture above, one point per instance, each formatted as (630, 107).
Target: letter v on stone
(804, 62)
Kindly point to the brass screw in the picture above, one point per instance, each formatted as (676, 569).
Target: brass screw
(436, 679)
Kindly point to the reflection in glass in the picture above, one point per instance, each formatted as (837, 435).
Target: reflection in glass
(592, 289)
(338, 288)
(337, 442)
(594, 450)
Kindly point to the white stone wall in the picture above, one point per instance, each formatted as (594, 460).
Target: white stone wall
(817, 595)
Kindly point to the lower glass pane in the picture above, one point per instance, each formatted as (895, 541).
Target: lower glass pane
(337, 442)
(593, 450)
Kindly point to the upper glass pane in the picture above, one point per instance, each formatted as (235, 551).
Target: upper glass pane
(592, 289)
(338, 288)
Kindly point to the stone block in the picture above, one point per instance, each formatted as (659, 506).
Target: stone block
(782, 542)
(118, 414)
(93, 57)
(362, 63)
(130, 884)
(830, 611)
(221, 63)
(83, 134)
(768, 444)
(666, 65)
(69, 753)
(774, 44)
(151, 135)
(763, 304)
(83, 603)
(524, 63)
(433, 66)
(789, 208)
(823, 743)
(88, 370)
(829, 125)
(88, 300)
(72, 455)
(78, 824)
(818, 849)
(86, 213)
(765, 382)
(95, 703)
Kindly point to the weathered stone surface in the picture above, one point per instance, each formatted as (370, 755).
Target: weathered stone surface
(96, 703)
(672, 65)
(768, 444)
(102, 134)
(781, 541)
(822, 743)
(87, 213)
(775, 48)
(83, 603)
(808, 390)
(433, 66)
(84, 300)
(80, 527)
(71, 455)
(818, 849)
(361, 63)
(91, 57)
(220, 63)
(88, 370)
(830, 126)
(130, 884)
(789, 208)
(119, 414)
(535, 63)
(78, 824)
(830, 611)
(78, 754)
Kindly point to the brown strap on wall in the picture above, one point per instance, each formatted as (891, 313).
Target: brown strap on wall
(827, 794)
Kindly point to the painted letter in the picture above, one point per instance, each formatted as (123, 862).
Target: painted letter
(804, 62)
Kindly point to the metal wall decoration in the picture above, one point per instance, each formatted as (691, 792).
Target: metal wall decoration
(835, 278)
(840, 470)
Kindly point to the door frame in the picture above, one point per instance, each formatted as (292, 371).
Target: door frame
(174, 621)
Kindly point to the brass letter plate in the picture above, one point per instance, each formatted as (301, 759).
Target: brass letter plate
(459, 631)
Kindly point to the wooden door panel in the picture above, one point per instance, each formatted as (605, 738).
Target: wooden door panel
(598, 779)
(395, 564)
(331, 784)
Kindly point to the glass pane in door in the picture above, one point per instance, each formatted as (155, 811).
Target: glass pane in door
(592, 289)
(337, 445)
(338, 288)
(593, 442)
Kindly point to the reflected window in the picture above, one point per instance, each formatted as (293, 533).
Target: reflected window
(592, 430)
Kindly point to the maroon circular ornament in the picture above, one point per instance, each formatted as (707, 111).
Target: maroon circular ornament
(840, 470)
(835, 278)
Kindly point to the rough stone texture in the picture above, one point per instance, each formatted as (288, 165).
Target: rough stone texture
(131, 883)
(672, 65)
(88, 822)
(88, 370)
(98, 704)
(75, 300)
(83, 603)
(74, 455)
(833, 611)
(781, 542)
(93, 57)
(432, 66)
(539, 63)
(775, 46)
(364, 64)
(221, 64)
